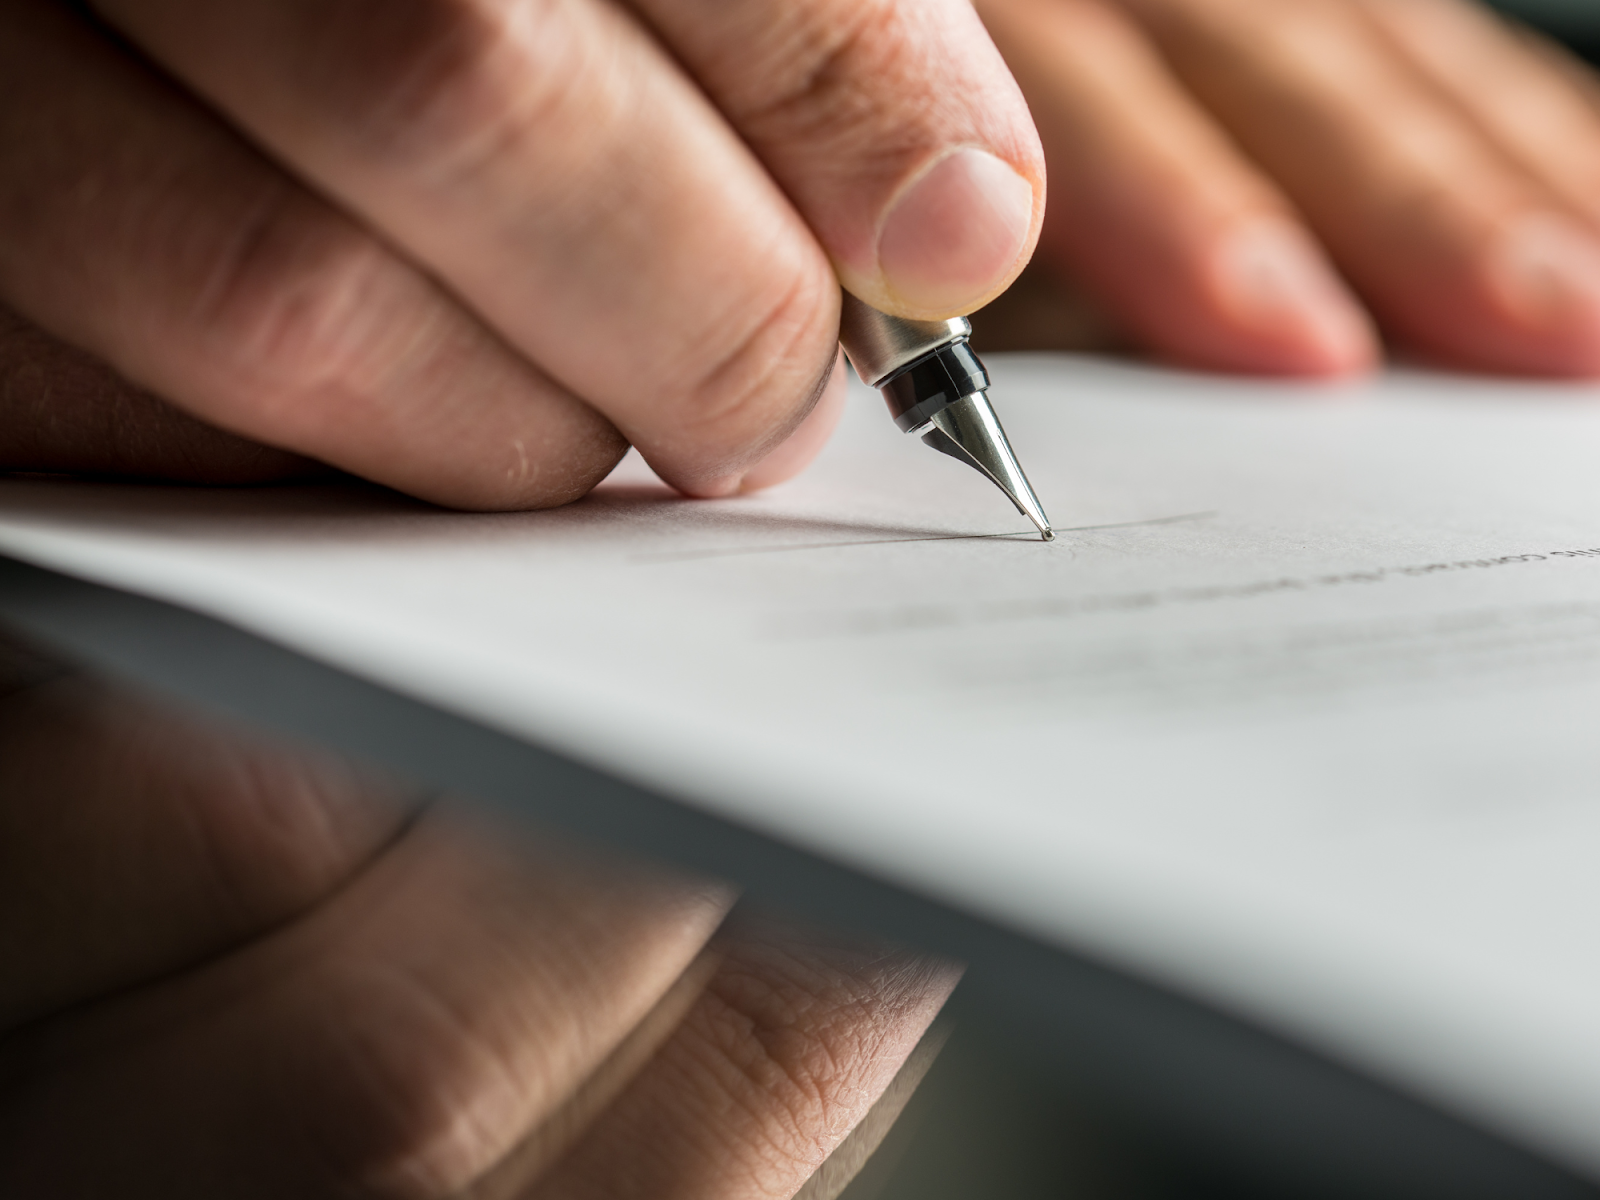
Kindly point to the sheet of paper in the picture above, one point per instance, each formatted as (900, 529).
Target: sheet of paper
(1298, 713)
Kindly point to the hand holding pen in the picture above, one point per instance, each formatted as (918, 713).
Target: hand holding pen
(474, 250)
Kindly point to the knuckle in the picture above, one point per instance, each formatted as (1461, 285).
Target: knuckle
(430, 84)
(410, 1103)
(277, 834)
(748, 394)
(803, 56)
(303, 302)
(824, 73)
(267, 834)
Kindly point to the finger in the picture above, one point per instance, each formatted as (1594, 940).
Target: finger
(134, 842)
(547, 1143)
(806, 442)
(61, 410)
(563, 174)
(399, 1041)
(141, 230)
(1452, 245)
(1195, 251)
(1514, 89)
(793, 1041)
(892, 124)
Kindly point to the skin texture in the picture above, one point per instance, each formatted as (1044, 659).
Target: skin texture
(1260, 185)
(238, 970)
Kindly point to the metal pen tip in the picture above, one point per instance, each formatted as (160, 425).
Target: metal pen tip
(969, 430)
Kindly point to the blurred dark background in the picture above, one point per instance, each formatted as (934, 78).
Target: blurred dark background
(1575, 22)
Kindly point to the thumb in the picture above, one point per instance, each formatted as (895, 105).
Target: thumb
(894, 127)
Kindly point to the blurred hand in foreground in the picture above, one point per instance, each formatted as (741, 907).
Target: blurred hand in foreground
(232, 972)
(473, 249)
(1253, 185)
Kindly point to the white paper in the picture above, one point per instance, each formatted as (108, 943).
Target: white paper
(1298, 712)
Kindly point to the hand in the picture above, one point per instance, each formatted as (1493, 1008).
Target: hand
(234, 972)
(1243, 182)
(473, 249)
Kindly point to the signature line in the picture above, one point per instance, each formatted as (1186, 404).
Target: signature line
(1029, 535)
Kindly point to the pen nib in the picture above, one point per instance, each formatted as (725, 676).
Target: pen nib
(970, 431)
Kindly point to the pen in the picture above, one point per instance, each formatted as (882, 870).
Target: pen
(937, 388)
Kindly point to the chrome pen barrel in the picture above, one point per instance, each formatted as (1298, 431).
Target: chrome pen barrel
(879, 345)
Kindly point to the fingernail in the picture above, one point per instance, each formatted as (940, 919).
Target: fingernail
(1274, 282)
(954, 235)
(1548, 269)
